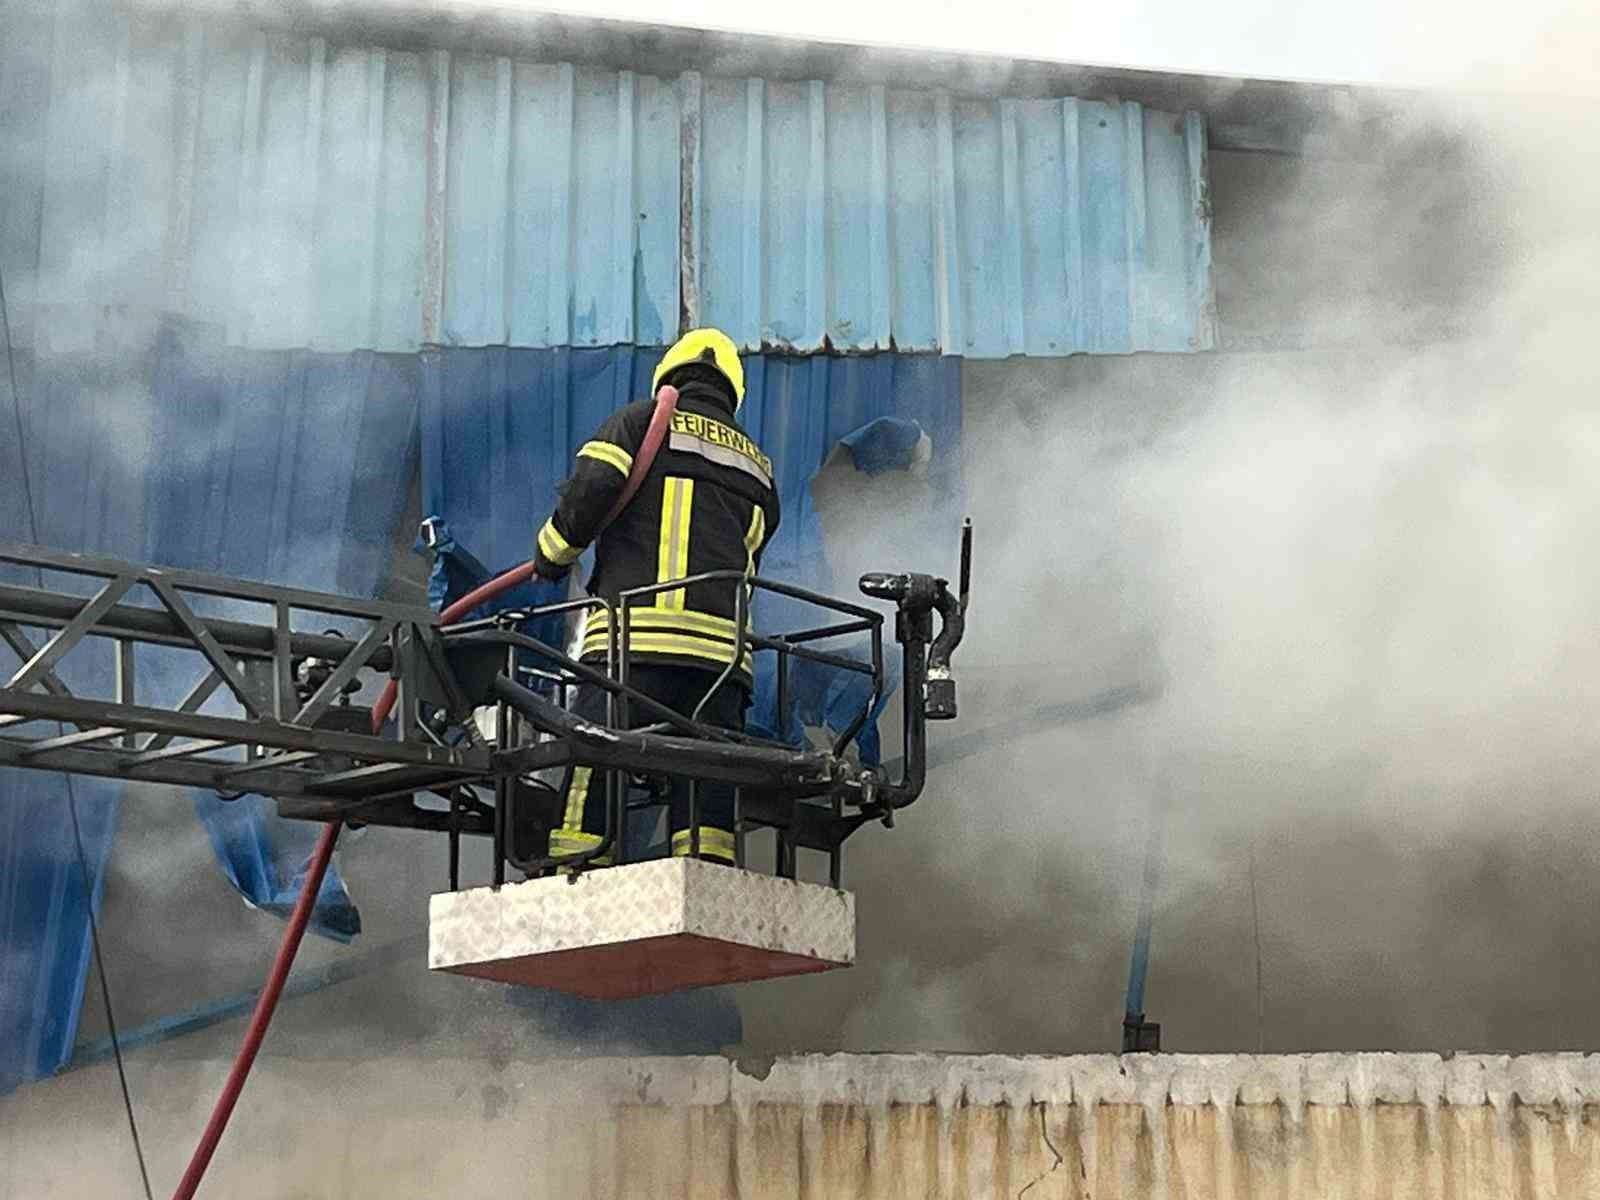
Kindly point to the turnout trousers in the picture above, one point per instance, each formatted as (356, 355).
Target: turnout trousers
(679, 688)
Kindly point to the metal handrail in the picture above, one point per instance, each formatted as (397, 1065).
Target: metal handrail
(622, 695)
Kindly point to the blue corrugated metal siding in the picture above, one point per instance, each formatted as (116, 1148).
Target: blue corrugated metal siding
(44, 949)
(309, 195)
(84, 494)
(562, 206)
(286, 466)
(43, 917)
(797, 409)
(500, 427)
(337, 198)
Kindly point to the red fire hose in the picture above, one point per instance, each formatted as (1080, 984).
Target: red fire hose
(322, 855)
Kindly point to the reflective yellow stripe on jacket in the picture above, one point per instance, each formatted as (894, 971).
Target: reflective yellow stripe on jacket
(555, 547)
(753, 536)
(714, 843)
(669, 631)
(565, 841)
(608, 452)
(677, 513)
(577, 794)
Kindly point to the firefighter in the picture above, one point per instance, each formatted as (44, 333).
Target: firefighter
(707, 503)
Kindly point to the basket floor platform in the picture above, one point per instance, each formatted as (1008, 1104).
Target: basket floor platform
(642, 929)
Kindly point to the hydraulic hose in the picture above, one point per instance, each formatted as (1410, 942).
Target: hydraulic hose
(322, 855)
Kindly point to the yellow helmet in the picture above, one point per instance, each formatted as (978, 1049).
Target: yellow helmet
(710, 346)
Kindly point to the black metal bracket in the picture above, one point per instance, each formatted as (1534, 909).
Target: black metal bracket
(1140, 1036)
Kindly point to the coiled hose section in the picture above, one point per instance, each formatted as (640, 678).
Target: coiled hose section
(322, 854)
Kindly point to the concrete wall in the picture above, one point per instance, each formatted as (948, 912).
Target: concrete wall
(1207, 1128)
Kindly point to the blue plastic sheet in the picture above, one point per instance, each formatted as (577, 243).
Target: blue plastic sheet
(886, 444)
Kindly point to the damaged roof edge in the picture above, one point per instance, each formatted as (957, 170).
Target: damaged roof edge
(1270, 116)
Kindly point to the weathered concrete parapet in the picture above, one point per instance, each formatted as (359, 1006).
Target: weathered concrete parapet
(1468, 1127)
(1359, 1080)
(1152, 1127)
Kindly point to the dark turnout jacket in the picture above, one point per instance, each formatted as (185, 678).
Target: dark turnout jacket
(707, 504)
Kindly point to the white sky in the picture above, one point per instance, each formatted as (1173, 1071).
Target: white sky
(1541, 45)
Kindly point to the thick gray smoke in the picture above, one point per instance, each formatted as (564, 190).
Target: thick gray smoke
(1334, 577)
(1342, 563)
(1349, 552)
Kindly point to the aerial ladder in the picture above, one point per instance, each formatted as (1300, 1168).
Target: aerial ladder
(464, 740)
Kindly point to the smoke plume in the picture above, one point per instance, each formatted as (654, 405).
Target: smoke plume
(1344, 560)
